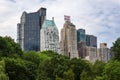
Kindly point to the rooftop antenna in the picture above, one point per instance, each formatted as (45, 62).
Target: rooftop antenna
(53, 18)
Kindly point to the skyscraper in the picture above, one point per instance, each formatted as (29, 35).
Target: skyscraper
(103, 53)
(69, 40)
(81, 50)
(81, 37)
(103, 45)
(28, 30)
(49, 36)
(91, 41)
(91, 54)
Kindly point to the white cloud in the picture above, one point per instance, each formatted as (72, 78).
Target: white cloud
(98, 17)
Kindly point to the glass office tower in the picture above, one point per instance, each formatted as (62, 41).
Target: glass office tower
(28, 30)
(91, 40)
(81, 35)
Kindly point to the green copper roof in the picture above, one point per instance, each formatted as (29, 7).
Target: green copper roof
(48, 23)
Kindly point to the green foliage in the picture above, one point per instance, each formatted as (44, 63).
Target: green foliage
(8, 48)
(58, 78)
(99, 78)
(116, 49)
(3, 76)
(44, 56)
(85, 76)
(98, 68)
(32, 56)
(2, 65)
(49, 53)
(68, 75)
(52, 65)
(78, 66)
(43, 71)
(112, 70)
(19, 69)
(48, 65)
(62, 65)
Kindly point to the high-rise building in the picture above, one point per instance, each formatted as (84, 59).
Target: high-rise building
(82, 50)
(91, 41)
(91, 53)
(49, 36)
(81, 37)
(103, 45)
(103, 53)
(69, 40)
(28, 30)
(112, 53)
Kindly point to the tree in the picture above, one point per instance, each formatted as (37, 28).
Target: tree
(44, 70)
(116, 49)
(68, 75)
(61, 65)
(78, 65)
(8, 48)
(99, 78)
(32, 56)
(3, 76)
(85, 76)
(112, 70)
(98, 68)
(52, 65)
(58, 78)
(18, 69)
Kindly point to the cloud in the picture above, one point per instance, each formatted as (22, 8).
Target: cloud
(12, 1)
(98, 17)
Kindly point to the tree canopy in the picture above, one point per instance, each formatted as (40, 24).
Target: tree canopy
(8, 48)
(16, 64)
(116, 49)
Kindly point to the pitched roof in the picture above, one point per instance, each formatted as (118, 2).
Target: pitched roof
(48, 23)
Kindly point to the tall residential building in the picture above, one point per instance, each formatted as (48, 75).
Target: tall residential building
(91, 41)
(112, 53)
(91, 54)
(103, 45)
(87, 52)
(103, 53)
(69, 40)
(28, 30)
(82, 50)
(49, 36)
(81, 37)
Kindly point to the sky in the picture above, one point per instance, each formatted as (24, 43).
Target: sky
(100, 18)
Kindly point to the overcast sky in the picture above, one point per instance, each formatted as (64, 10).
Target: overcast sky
(98, 17)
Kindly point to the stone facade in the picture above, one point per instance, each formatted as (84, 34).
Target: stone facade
(69, 40)
(103, 53)
(81, 49)
(91, 54)
(49, 36)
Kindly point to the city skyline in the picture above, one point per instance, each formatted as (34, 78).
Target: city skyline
(99, 18)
